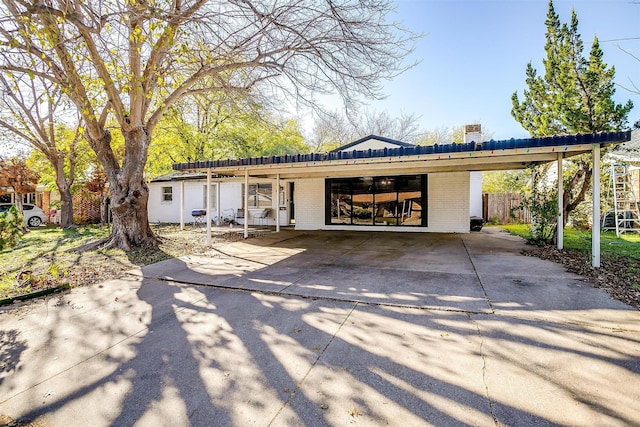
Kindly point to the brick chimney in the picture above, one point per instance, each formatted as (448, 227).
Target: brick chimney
(473, 133)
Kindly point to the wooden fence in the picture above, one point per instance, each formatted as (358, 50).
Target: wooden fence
(501, 208)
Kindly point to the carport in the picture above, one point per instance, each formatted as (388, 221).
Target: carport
(447, 158)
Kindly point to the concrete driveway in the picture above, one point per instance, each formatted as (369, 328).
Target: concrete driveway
(329, 328)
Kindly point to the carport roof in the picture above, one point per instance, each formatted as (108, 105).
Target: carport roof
(488, 155)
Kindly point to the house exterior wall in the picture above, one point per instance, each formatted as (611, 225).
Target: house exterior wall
(449, 202)
(475, 194)
(231, 199)
(309, 200)
(448, 206)
(169, 211)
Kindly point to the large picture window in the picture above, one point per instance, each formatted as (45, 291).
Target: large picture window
(384, 200)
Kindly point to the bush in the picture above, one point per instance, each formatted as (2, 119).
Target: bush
(11, 227)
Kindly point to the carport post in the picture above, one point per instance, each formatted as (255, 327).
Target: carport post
(246, 203)
(218, 202)
(595, 221)
(277, 203)
(209, 206)
(181, 205)
(560, 227)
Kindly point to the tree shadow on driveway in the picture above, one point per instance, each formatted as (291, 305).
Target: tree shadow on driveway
(200, 355)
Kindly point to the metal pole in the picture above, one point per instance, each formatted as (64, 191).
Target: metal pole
(560, 227)
(218, 211)
(209, 206)
(595, 222)
(181, 205)
(246, 203)
(277, 203)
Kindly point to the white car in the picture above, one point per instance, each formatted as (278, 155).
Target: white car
(33, 215)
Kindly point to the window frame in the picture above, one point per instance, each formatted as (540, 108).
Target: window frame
(164, 194)
(340, 192)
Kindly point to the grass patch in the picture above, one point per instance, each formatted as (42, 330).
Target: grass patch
(627, 245)
(44, 257)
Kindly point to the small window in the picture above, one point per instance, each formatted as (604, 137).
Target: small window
(167, 194)
(259, 195)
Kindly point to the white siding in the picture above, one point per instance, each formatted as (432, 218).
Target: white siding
(231, 199)
(161, 211)
(448, 206)
(475, 194)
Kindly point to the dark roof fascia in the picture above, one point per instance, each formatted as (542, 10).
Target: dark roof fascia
(366, 138)
(602, 139)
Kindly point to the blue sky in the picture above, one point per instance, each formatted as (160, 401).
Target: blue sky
(474, 55)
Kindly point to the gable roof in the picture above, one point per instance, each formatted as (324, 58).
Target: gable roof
(354, 145)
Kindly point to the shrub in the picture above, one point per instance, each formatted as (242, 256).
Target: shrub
(11, 227)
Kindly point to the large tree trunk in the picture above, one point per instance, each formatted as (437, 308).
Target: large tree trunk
(581, 179)
(129, 193)
(64, 188)
(66, 207)
(130, 224)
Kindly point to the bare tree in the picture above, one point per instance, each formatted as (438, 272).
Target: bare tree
(331, 130)
(30, 111)
(405, 127)
(134, 59)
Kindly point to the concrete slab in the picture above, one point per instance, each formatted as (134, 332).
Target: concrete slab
(328, 328)
(540, 373)
(390, 366)
(446, 291)
(234, 358)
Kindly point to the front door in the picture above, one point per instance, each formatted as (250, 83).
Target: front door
(292, 205)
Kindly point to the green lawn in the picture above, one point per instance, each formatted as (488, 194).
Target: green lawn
(44, 257)
(628, 245)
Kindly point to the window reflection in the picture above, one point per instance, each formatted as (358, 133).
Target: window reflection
(387, 200)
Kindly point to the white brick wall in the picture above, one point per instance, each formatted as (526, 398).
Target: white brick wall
(449, 202)
(448, 206)
(475, 194)
(309, 200)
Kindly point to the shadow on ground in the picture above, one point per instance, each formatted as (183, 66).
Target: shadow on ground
(148, 351)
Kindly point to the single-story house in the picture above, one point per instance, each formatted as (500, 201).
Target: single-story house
(381, 201)
(386, 187)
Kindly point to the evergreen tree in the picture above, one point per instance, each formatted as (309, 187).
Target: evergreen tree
(574, 95)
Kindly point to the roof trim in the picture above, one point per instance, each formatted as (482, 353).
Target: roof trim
(603, 138)
(367, 138)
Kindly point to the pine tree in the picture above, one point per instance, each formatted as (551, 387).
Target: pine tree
(574, 95)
